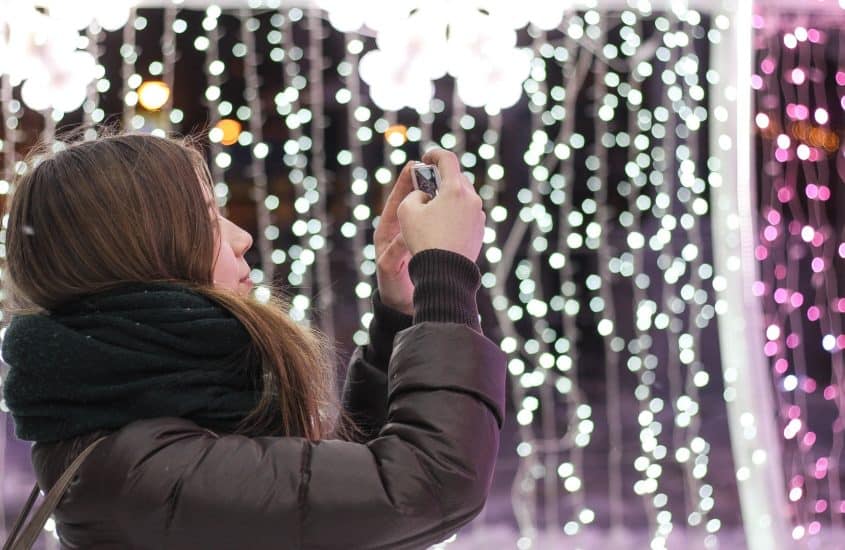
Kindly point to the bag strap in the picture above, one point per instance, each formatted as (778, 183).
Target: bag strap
(33, 529)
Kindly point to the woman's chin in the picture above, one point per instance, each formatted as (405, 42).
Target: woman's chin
(245, 286)
(242, 287)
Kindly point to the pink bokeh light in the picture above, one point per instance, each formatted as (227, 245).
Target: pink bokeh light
(799, 250)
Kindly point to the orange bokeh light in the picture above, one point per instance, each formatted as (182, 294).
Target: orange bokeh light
(231, 130)
(396, 135)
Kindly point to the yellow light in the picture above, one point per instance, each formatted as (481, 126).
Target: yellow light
(396, 135)
(153, 94)
(230, 130)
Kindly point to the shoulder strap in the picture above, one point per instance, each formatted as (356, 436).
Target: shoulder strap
(33, 529)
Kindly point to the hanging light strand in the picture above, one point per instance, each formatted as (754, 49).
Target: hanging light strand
(168, 53)
(130, 80)
(691, 196)
(575, 62)
(602, 283)
(11, 107)
(357, 135)
(536, 306)
(259, 150)
(318, 168)
(100, 85)
(209, 43)
(289, 105)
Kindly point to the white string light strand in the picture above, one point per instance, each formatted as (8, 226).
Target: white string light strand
(531, 286)
(604, 307)
(356, 229)
(316, 64)
(259, 150)
(11, 107)
(213, 67)
(100, 85)
(129, 55)
(575, 62)
(571, 472)
(700, 311)
(168, 53)
(522, 492)
(298, 144)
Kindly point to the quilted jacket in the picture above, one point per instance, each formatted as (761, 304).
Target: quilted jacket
(433, 397)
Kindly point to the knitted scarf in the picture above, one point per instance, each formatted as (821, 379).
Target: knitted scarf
(132, 352)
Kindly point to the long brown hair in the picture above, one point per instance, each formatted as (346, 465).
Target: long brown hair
(85, 216)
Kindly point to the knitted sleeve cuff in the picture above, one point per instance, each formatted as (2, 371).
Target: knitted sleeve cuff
(384, 325)
(445, 287)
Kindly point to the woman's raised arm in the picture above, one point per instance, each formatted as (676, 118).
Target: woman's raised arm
(427, 473)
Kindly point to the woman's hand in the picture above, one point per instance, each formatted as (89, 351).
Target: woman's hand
(392, 255)
(453, 220)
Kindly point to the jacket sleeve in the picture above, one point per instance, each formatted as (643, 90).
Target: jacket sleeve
(445, 288)
(427, 473)
(364, 394)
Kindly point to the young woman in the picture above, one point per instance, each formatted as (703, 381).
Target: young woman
(131, 317)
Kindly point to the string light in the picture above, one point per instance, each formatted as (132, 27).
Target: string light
(94, 35)
(12, 108)
(600, 285)
(259, 150)
(358, 135)
(167, 68)
(798, 251)
(223, 131)
(594, 232)
(297, 148)
(396, 135)
(226, 131)
(582, 230)
(129, 78)
(153, 94)
(92, 113)
(317, 240)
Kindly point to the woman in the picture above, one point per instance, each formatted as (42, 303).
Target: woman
(132, 317)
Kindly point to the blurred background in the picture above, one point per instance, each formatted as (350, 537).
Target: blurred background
(663, 256)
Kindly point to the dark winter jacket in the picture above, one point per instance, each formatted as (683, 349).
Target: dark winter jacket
(429, 388)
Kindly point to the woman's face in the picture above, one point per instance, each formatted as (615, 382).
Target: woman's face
(231, 243)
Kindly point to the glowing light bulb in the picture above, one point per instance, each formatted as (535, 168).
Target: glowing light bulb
(396, 135)
(153, 94)
(227, 131)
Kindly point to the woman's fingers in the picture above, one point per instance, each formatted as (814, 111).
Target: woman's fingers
(401, 188)
(449, 168)
(394, 256)
(446, 161)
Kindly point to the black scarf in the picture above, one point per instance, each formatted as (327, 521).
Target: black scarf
(136, 351)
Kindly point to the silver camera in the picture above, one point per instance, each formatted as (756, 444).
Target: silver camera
(426, 178)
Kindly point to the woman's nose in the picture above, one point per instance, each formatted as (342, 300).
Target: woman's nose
(247, 242)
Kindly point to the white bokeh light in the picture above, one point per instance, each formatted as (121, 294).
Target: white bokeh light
(475, 42)
(38, 48)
